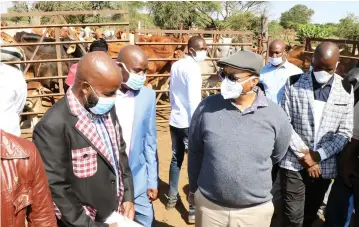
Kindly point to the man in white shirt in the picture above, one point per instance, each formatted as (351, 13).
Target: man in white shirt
(275, 74)
(136, 112)
(13, 93)
(185, 95)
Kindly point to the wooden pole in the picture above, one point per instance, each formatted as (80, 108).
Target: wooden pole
(58, 55)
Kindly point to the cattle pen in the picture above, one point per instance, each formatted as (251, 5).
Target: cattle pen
(59, 22)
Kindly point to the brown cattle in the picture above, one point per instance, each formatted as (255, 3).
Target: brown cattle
(296, 56)
(36, 104)
(3, 23)
(161, 51)
(345, 65)
(7, 38)
(114, 48)
(49, 69)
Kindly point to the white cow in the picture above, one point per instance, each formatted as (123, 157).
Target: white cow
(12, 54)
(109, 34)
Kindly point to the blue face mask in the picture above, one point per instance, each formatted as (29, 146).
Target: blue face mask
(135, 81)
(103, 104)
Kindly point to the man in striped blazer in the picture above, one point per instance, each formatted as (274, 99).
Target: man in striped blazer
(320, 108)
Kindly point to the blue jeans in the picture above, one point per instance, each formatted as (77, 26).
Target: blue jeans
(340, 205)
(179, 137)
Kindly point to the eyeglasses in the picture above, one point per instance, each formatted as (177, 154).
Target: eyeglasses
(231, 77)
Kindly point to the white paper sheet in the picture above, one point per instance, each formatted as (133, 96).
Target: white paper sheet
(116, 217)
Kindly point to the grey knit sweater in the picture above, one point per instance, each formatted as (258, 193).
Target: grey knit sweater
(231, 153)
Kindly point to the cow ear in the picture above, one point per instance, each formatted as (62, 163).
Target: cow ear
(71, 49)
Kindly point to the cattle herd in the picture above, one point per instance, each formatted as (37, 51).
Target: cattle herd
(42, 87)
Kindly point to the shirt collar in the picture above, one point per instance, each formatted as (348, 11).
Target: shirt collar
(128, 93)
(186, 56)
(260, 101)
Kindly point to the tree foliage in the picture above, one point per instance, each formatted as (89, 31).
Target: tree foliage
(314, 31)
(297, 15)
(19, 7)
(349, 27)
(214, 15)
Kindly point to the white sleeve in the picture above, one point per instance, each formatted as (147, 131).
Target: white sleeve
(356, 122)
(194, 85)
(21, 93)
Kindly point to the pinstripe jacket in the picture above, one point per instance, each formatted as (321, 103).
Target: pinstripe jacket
(335, 128)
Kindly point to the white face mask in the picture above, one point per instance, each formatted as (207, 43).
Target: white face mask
(276, 61)
(322, 77)
(201, 55)
(232, 90)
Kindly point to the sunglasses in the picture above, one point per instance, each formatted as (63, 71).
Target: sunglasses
(231, 77)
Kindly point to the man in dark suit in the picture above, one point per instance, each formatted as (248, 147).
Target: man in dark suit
(81, 143)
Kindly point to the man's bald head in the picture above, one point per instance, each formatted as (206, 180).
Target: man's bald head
(326, 57)
(196, 43)
(96, 73)
(134, 58)
(327, 50)
(277, 44)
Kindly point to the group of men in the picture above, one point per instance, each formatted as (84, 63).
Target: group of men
(98, 147)
(270, 128)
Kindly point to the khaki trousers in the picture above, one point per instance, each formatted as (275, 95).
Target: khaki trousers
(209, 214)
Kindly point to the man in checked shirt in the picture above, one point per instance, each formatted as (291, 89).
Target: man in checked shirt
(81, 144)
(320, 108)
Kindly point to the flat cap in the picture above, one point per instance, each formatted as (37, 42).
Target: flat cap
(245, 60)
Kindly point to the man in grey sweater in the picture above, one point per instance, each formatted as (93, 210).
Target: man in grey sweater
(234, 140)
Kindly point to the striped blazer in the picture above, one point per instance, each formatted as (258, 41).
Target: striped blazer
(336, 124)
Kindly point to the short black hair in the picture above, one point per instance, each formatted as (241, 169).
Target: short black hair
(194, 42)
(99, 45)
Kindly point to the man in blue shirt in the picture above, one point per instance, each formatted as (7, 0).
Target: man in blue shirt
(274, 75)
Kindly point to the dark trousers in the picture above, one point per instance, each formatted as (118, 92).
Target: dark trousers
(179, 137)
(340, 205)
(302, 197)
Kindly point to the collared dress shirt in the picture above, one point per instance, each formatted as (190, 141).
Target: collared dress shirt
(104, 132)
(274, 79)
(185, 91)
(321, 95)
(13, 93)
(125, 110)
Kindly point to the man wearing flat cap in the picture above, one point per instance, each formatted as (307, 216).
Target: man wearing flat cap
(234, 140)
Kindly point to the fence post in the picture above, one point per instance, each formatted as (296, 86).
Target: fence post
(58, 56)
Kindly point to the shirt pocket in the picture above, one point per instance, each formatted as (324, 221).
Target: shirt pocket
(84, 162)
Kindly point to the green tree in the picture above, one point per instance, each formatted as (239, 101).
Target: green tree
(297, 15)
(215, 15)
(244, 21)
(314, 31)
(275, 29)
(348, 27)
(169, 15)
(19, 7)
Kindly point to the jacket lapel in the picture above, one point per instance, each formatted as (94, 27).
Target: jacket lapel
(308, 86)
(136, 117)
(86, 128)
(334, 92)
